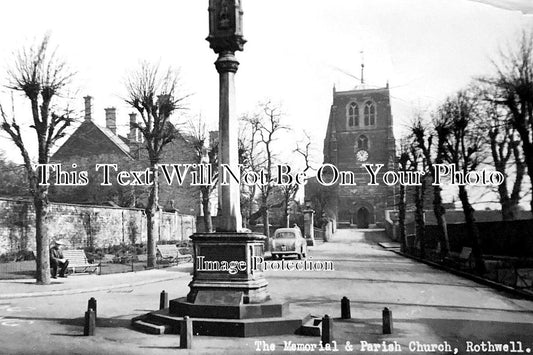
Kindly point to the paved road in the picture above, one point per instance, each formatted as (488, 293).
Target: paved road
(429, 306)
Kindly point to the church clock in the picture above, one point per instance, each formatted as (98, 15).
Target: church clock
(361, 155)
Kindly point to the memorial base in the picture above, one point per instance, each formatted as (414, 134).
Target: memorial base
(228, 293)
(226, 270)
(162, 322)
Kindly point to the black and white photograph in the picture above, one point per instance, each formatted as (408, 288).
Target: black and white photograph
(266, 177)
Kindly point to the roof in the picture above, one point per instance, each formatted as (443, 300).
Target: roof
(362, 90)
(114, 138)
(90, 139)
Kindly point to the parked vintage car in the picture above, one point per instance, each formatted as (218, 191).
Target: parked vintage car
(288, 241)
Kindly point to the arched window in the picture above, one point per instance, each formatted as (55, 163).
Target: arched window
(370, 114)
(362, 142)
(353, 115)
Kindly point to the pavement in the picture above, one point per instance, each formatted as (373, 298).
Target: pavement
(85, 283)
(433, 311)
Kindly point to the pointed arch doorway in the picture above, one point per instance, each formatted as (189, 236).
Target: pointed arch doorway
(363, 217)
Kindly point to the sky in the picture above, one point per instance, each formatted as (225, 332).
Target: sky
(297, 50)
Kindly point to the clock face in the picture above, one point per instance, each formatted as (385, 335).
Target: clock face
(362, 155)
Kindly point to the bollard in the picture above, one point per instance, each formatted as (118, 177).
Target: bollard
(163, 300)
(345, 308)
(327, 330)
(186, 333)
(92, 305)
(90, 323)
(387, 321)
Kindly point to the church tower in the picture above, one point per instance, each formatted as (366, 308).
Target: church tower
(360, 132)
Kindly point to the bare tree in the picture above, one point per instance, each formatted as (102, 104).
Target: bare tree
(155, 95)
(464, 148)
(505, 147)
(41, 77)
(205, 154)
(403, 165)
(265, 127)
(424, 140)
(418, 163)
(514, 78)
(252, 161)
(290, 190)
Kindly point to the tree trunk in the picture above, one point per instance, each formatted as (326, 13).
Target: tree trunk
(514, 198)
(529, 162)
(42, 241)
(440, 216)
(472, 230)
(250, 209)
(527, 149)
(206, 207)
(419, 218)
(401, 219)
(266, 222)
(286, 214)
(152, 219)
(503, 192)
(508, 210)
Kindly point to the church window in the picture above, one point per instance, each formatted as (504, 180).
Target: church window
(353, 115)
(362, 142)
(370, 114)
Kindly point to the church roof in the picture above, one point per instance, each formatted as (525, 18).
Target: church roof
(362, 89)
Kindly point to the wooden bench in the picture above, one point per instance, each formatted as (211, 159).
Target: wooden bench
(170, 253)
(77, 260)
(463, 258)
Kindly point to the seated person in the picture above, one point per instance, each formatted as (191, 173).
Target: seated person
(57, 260)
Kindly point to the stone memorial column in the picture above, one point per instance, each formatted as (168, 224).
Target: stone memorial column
(228, 292)
(216, 280)
(230, 219)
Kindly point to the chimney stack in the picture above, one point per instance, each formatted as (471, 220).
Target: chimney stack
(133, 137)
(111, 119)
(88, 107)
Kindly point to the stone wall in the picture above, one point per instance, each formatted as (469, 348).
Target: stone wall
(84, 226)
(509, 238)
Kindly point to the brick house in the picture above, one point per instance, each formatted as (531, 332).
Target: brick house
(91, 143)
